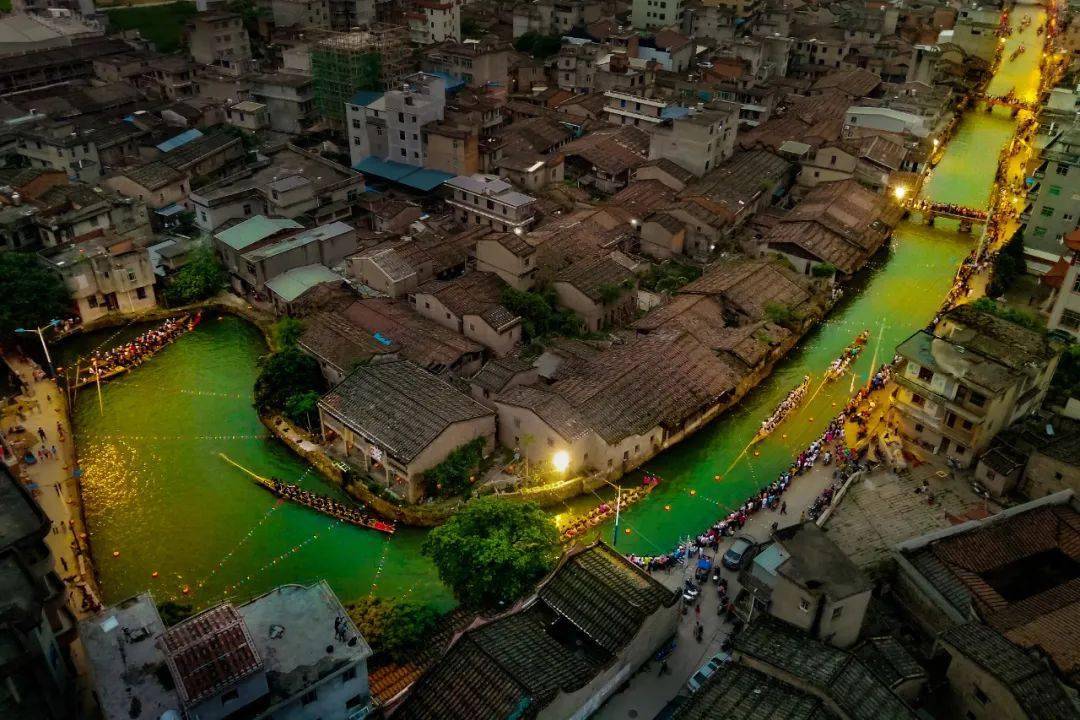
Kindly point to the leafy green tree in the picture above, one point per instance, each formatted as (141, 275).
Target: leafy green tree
(396, 627)
(610, 292)
(823, 270)
(539, 314)
(200, 278)
(537, 45)
(779, 314)
(284, 375)
(470, 28)
(302, 408)
(1067, 376)
(493, 551)
(30, 293)
(451, 476)
(287, 331)
(1008, 266)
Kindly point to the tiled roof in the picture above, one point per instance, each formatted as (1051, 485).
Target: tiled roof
(643, 196)
(855, 82)
(558, 414)
(336, 340)
(477, 293)
(604, 595)
(1034, 686)
(749, 286)
(736, 692)
(154, 175)
(592, 274)
(614, 151)
(671, 168)
(402, 407)
(889, 661)
(186, 156)
(833, 673)
(209, 652)
(422, 341)
(498, 372)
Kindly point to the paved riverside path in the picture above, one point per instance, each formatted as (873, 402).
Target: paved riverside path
(646, 693)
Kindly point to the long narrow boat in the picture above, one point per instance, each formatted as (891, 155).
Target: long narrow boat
(786, 406)
(606, 511)
(92, 373)
(841, 364)
(352, 515)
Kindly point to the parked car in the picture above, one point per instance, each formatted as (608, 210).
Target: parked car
(707, 670)
(741, 551)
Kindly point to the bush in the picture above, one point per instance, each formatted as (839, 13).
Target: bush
(823, 270)
(669, 277)
(452, 475)
(779, 314)
(537, 45)
(1007, 312)
(539, 314)
(287, 331)
(200, 278)
(1067, 376)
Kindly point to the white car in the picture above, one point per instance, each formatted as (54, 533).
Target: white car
(707, 670)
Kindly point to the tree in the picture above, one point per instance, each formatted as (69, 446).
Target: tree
(396, 627)
(823, 270)
(493, 551)
(301, 407)
(287, 331)
(779, 314)
(470, 28)
(537, 45)
(200, 278)
(1067, 376)
(173, 612)
(452, 475)
(1007, 312)
(1008, 266)
(539, 314)
(284, 375)
(30, 294)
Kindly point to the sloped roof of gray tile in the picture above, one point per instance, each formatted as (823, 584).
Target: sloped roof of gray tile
(1035, 688)
(403, 407)
(737, 692)
(605, 596)
(840, 675)
(889, 661)
(499, 371)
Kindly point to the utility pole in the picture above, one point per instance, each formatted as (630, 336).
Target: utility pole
(39, 331)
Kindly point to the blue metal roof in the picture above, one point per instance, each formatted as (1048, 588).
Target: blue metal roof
(182, 139)
(452, 83)
(365, 97)
(674, 112)
(410, 176)
(169, 210)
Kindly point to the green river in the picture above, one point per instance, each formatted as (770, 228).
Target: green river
(157, 493)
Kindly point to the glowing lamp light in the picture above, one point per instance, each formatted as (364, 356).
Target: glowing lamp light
(936, 142)
(627, 531)
(693, 492)
(900, 192)
(561, 460)
(668, 508)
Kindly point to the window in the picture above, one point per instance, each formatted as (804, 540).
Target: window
(1047, 211)
(977, 399)
(401, 134)
(1062, 169)
(917, 399)
(981, 696)
(1054, 190)
(348, 675)
(837, 611)
(926, 374)
(140, 293)
(1039, 231)
(967, 424)
(1076, 285)
(357, 124)
(551, 442)
(92, 301)
(919, 428)
(309, 697)
(228, 697)
(1070, 320)
(356, 701)
(401, 117)
(356, 140)
(804, 604)
(131, 276)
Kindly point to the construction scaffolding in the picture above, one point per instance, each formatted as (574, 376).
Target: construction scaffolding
(376, 58)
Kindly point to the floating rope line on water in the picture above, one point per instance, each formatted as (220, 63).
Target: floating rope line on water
(210, 393)
(229, 589)
(378, 570)
(183, 437)
(247, 536)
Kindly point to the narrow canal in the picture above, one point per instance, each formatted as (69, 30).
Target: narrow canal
(156, 491)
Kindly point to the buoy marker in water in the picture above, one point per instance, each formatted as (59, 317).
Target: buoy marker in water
(116, 553)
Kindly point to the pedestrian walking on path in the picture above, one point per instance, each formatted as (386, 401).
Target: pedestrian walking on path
(41, 433)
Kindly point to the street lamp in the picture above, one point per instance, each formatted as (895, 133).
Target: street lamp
(41, 335)
(900, 192)
(560, 461)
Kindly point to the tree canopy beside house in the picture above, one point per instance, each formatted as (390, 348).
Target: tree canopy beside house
(289, 380)
(31, 295)
(493, 551)
(398, 628)
(453, 475)
(538, 45)
(1007, 312)
(1008, 266)
(200, 278)
(540, 315)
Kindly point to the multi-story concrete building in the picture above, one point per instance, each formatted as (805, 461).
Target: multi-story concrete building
(255, 660)
(220, 39)
(491, 201)
(698, 140)
(626, 109)
(649, 14)
(974, 31)
(478, 63)
(961, 384)
(289, 99)
(390, 125)
(1053, 201)
(106, 275)
(301, 14)
(1065, 309)
(548, 17)
(434, 21)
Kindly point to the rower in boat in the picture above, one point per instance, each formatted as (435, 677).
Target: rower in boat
(118, 360)
(606, 510)
(841, 364)
(789, 403)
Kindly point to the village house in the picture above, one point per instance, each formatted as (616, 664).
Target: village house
(248, 115)
(67, 214)
(471, 305)
(395, 420)
(479, 64)
(206, 158)
(106, 275)
(841, 224)
(230, 245)
(155, 183)
(380, 327)
(1037, 456)
(605, 158)
(290, 183)
(970, 378)
(325, 245)
(289, 99)
(533, 172)
(499, 374)
(219, 39)
(800, 576)
(599, 290)
(595, 619)
(972, 572)
(398, 266)
(265, 654)
(491, 201)
(699, 139)
(510, 256)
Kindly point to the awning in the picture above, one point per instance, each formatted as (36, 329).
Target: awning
(410, 176)
(170, 210)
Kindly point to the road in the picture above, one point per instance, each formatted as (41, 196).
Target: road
(647, 692)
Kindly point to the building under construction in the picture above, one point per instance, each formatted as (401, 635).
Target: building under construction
(346, 63)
